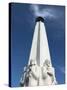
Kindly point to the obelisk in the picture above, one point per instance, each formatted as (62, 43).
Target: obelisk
(39, 54)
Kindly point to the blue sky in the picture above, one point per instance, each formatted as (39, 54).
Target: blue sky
(23, 18)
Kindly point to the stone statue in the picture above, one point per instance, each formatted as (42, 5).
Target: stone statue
(33, 74)
(24, 77)
(48, 74)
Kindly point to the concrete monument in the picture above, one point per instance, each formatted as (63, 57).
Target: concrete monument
(39, 71)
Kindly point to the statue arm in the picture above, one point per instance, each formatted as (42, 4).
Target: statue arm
(44, 72)
(34, 73)
(51, 72)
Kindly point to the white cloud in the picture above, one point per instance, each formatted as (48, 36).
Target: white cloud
(44, 12)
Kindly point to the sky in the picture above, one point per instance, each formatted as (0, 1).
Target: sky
(23, 18)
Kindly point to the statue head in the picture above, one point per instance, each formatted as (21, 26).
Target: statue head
(32, 62)
(47, 63)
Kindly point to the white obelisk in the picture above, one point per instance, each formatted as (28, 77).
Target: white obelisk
(39, 49)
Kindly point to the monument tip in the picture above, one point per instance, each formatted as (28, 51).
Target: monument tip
(39, 19)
